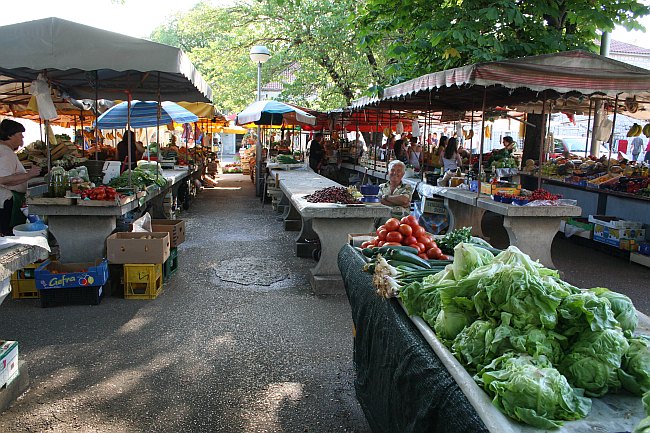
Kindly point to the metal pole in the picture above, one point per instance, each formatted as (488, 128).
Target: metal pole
(258, 145)
(587, 152)
(542, 142)
(480, 153)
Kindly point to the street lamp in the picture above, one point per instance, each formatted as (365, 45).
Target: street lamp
(259, 54)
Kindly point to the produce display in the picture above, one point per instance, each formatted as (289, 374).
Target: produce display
(142, 176)
(100, 193)
(332, 194)
(286, 159)
(538, 346)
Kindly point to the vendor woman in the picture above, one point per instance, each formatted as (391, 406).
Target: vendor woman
(395, 193)
(13, 176)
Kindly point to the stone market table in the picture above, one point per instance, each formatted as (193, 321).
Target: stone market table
(331, 222)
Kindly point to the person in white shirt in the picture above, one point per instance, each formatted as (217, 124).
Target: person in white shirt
(637, 147)
(13, 176)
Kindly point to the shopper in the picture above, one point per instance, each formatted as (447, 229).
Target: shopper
(415, 154)
(316, 152)
(509, 143)
(395, 193)
(637, 147)
(451, 159)
(13, 176)
(123, 149)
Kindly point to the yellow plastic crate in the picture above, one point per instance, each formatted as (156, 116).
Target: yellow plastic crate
(23, 284)
(143, 281)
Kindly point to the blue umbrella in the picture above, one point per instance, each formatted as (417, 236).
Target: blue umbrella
(144, 114)
(274, 113)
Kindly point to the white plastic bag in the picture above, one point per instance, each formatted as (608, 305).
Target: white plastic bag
(415, 129)
(142, 224)
(399, 128)
(41, 90)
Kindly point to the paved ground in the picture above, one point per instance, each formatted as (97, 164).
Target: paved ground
(236, 343)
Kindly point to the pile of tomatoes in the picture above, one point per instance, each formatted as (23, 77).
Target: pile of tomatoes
(407, 232)
(100, 193)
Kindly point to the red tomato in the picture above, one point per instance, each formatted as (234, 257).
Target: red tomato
(372, 242)
(392, 224)
(426, 240)
(405, 230)
(394, 237)
(434, 253)
(421, 247)
(414, 246)
(381, 234)
(410, 220)
(381, 227)
(410, 240)
(423, 256)
(419, 231)
(380, 243)
(365, 244)
(392, 244)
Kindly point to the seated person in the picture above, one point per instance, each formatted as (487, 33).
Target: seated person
(395, 193)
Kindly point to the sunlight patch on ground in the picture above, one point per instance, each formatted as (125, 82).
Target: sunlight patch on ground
(265, 410)
(134, 325)
(232, 188)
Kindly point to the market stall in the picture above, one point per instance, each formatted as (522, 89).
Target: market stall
(332, 222)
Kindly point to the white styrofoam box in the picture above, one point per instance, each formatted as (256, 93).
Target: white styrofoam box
(111, 170)
(5, 288)
(8, 361)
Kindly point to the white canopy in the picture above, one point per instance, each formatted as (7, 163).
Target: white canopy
(71, 54)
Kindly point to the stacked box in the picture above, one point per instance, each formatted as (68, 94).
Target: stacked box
(138, 247)
(52, 274)
(175, 228)
(612, 236)
(8, 362)
(143, 281)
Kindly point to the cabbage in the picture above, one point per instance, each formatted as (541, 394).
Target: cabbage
(473, 345)
(635, 366)
(621, 306)
(468, 257)
(513, 256)
(532, 391)
(450, 322)
(585, 311)
(594, 360)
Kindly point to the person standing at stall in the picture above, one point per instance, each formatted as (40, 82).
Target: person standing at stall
(637, 147)
(13, 176)
(451, 160)
(316, 152)
(123, 149)
(415, 154)
(395, 193)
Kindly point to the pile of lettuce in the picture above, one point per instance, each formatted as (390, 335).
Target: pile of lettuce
(536, 344)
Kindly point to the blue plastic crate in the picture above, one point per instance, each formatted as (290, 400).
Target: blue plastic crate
(57, 275)
(644, 248)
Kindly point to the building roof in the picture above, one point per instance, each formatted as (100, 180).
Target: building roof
(625, 48)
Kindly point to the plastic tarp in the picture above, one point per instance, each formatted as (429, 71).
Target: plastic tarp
(72, 53)
(400, 383)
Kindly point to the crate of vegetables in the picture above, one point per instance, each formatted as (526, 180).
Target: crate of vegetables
(103, 196)
(52, 274)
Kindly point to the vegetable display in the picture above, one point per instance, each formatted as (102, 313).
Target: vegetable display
(537, 345)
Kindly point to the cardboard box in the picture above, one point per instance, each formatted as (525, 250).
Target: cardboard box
(491, 189)
(640, 259)
(8, 362)
(57, 275)
(137, 247)
(629, 245)
(175, 228)
(614, 222)
(572, 230)
(613, 237)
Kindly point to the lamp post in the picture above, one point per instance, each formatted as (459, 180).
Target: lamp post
(259, 54)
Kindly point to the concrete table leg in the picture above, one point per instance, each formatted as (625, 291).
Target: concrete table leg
(465, 215)
(292, 219)
(325, 277)
(533, 236)
(81, 238)
(307, 239)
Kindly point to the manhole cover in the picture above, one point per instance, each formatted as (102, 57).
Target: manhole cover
(251, 271)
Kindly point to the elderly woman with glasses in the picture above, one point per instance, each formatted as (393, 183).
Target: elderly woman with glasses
(395, 193)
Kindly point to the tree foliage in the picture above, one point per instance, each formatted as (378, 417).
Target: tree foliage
(336, 50)
(423, 36)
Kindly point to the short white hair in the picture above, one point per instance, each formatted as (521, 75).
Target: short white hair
(395, 162)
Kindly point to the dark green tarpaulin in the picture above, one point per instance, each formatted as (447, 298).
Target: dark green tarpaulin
(400, 383)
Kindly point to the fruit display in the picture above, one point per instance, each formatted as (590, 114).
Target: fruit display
(332, 194)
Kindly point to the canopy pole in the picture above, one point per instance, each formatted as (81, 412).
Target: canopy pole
(587, 152)
(377, 146)
(480, 153)
(611, 136)
(96, 115)
(542, 144)
(127, 132)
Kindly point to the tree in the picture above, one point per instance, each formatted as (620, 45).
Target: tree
(423, 36)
